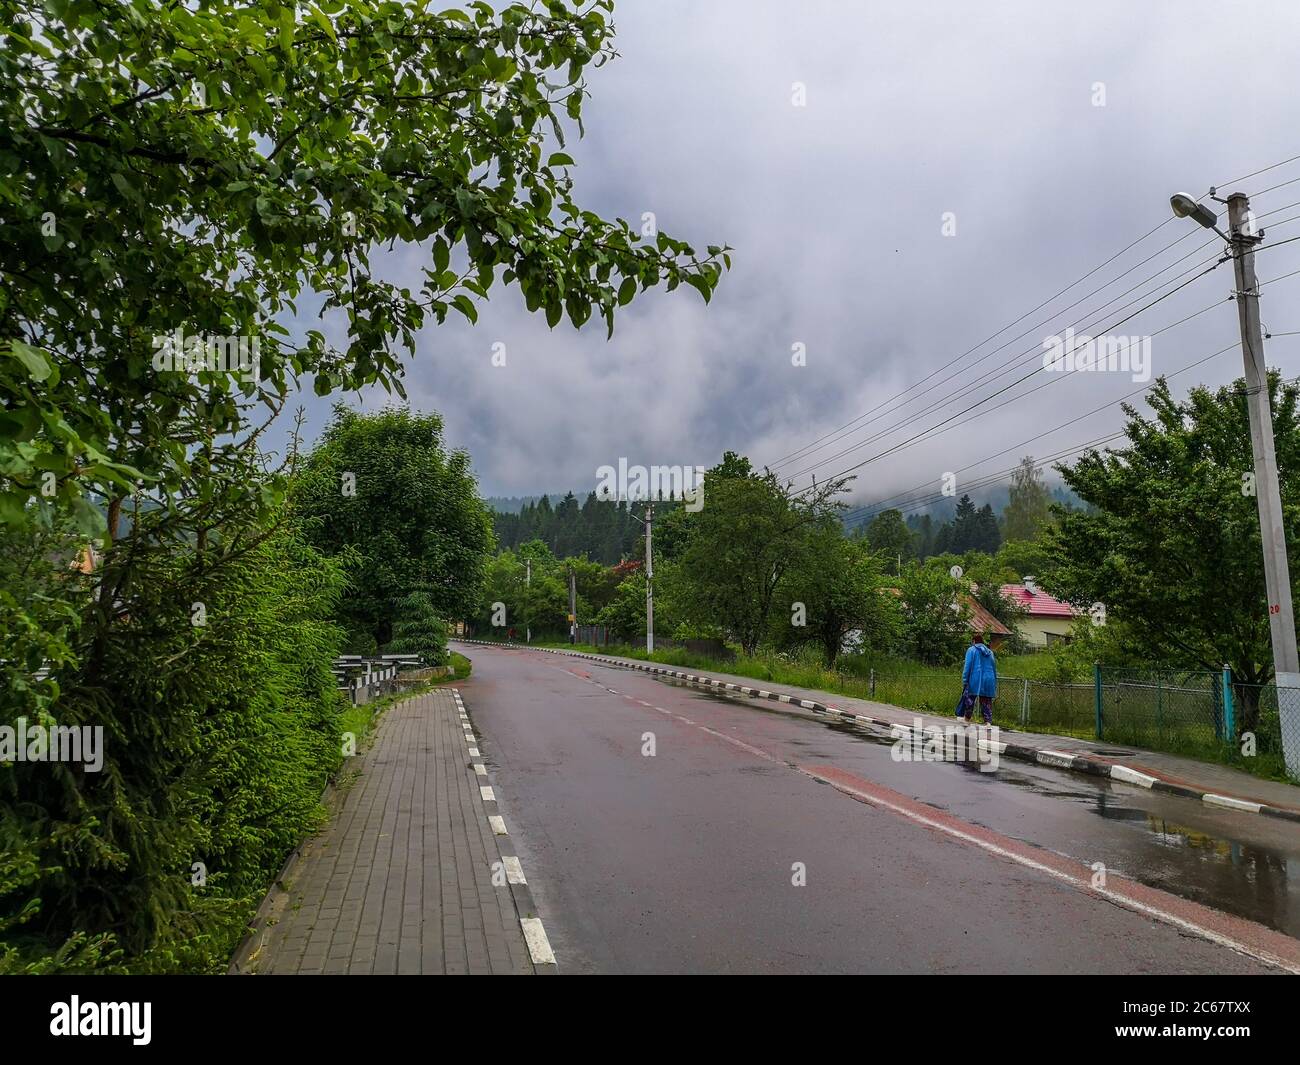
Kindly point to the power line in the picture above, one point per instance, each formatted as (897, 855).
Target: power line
(807, 449)
(1012, 364)
(1042, 366)
(879, 506)
(987, 480)
(839, 433)
(1256, 173)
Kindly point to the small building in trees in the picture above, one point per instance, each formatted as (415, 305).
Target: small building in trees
(980, 620)
(1046, 620)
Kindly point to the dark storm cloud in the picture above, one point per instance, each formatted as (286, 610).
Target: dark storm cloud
(835, 212)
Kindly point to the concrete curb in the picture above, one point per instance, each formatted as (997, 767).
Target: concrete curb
(1124, 773)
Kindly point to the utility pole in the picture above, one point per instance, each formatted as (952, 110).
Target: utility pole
(528, 580)
(649, 581)
(1277, 576)
(573, 606)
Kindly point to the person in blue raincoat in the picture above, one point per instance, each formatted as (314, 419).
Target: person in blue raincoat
(979, 679)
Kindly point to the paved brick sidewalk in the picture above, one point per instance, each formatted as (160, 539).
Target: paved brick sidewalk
(401, 879)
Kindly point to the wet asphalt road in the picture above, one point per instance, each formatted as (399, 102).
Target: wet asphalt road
(685, 861)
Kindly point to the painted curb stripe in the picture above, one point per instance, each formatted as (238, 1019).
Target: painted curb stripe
(1230, 803)
(538, 945)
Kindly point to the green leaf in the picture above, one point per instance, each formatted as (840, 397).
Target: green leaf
(36, 361)
(560, 159)
(466, 307)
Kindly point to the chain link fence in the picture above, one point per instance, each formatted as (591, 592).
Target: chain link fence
(1261, 713)
(1197, 713)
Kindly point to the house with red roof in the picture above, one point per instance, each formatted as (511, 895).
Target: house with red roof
(1048, 620)
(977, 620)
(980, 620)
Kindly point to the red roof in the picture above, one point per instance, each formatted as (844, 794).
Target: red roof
(1038, 603)
(982, 621)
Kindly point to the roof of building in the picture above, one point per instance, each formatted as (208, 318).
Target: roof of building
(1038, 603)
(981, 620)
(978, 619)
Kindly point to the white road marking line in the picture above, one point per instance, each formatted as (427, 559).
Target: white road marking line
(498, 824)
(1029, 863)
(487, 793)
(539, 947)
(480, 769)
(514, 871)
(473, 753)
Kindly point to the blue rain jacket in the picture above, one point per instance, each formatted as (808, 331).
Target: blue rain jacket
(979, 675)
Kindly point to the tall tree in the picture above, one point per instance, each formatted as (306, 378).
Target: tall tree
(741, 544)
(1170, 543)
(889, 536)
(1029, 505)
(835, 587)
(987, 535)
(932, 627)
(382, 492)
(965, 531)
(190, 170)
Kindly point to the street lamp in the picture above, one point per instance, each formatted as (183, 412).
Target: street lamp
(1186, 207)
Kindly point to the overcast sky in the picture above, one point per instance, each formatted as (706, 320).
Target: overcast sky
(991, 111)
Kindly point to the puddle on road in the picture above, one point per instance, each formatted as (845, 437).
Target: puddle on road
(1253, 877)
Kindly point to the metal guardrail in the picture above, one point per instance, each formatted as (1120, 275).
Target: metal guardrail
(365, 677)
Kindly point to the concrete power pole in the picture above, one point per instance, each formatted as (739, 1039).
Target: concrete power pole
(649, 581)
(1277, 575)
(528, 580)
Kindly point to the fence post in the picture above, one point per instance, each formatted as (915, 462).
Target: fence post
(1160, 705)
(1024, 701)
(1096, 694)
(873, 684)
(1229, 722)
